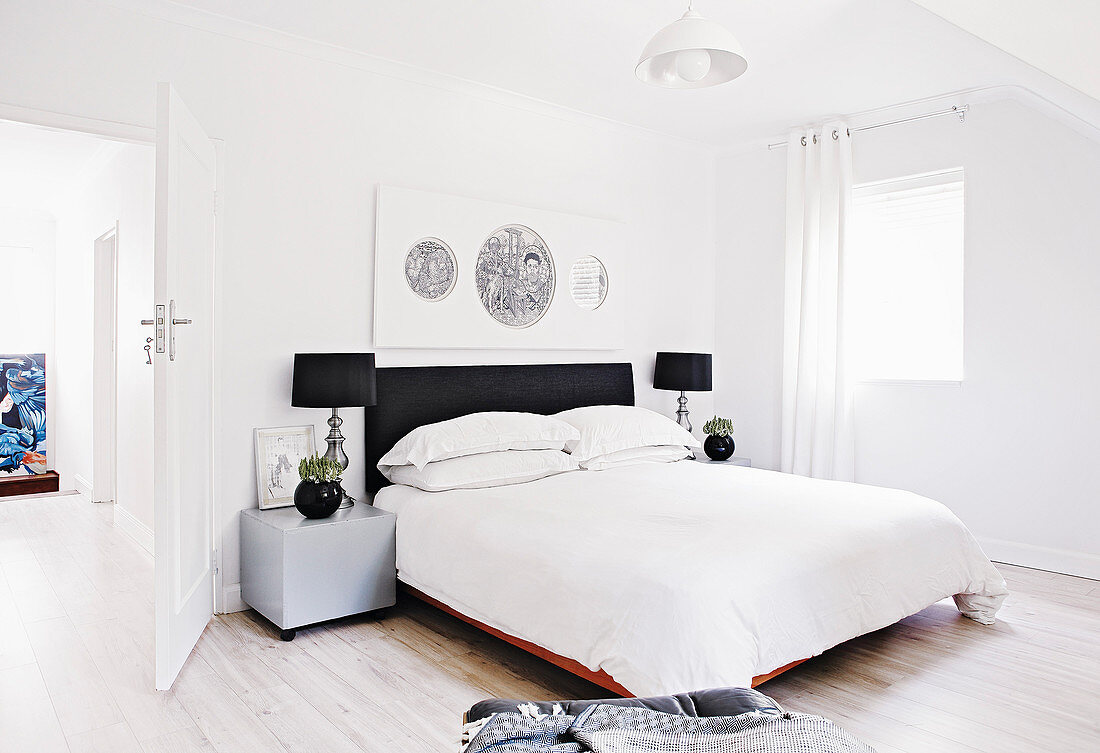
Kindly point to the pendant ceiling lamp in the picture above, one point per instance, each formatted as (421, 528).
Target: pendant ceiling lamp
(691, 53)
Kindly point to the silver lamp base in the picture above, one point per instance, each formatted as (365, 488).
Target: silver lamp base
(682, 411)
(336, 452)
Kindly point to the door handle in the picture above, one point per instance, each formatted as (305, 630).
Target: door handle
(148, 322)
(173, 322)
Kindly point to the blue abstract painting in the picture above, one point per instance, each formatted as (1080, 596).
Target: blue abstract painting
(23, 413)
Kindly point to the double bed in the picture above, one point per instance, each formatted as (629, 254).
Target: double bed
(660, 578)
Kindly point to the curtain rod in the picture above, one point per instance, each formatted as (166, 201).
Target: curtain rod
(959, 110)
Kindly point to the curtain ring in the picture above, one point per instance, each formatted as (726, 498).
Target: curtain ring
(803, 141)
(836, 136)
(815, 138)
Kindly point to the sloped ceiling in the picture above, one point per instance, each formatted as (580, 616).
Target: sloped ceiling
(1059, 37)
(807, 58)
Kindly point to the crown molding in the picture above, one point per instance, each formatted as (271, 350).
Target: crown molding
(246, 31)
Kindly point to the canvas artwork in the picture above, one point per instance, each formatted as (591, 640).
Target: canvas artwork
(540, 281)
(515, 276)
(588, 283)
(23, 413)
(278, 452)
(431, 269)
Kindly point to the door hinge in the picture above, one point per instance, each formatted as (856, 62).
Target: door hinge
(217, 203)
(214, 560)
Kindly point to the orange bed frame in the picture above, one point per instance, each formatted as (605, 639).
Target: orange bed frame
(572, 666)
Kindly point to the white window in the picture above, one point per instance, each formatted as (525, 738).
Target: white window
(904, 269)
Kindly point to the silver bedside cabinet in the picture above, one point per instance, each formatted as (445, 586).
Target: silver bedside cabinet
(296, 571)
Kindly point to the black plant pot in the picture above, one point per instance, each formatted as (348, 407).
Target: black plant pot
(317, 500)
(718, 448)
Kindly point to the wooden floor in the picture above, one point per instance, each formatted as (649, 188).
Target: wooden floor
(76, 647)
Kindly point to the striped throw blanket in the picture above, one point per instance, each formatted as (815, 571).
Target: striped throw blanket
(617, 729)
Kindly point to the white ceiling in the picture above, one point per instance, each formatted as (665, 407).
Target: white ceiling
(37, 165)
(807, 58)
(1056, 36)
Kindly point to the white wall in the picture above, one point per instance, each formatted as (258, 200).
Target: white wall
(1011, 450)
(28, 319)
(748, 366)
(121, 191)
(307, 141)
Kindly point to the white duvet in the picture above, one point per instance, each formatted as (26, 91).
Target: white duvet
(681, 576)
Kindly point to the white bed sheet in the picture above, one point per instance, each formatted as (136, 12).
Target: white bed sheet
(684, 576)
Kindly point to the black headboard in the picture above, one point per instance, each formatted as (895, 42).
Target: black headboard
(412, 396)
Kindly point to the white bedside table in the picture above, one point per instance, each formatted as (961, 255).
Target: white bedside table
(297, 572)
(700, 457)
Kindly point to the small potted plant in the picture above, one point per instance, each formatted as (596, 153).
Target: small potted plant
(319, 493)
(719, 443)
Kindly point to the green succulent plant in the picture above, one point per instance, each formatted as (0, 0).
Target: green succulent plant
(718, 427)
(319, 470)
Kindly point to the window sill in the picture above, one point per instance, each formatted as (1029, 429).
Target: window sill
(909, 383)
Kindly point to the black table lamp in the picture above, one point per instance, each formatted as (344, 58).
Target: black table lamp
(686, 372)
(334, 380)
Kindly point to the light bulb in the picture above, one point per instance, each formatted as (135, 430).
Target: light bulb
(693, 65)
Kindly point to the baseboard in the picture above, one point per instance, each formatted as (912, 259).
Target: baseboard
(134, 528)
(231, 599)
(40, 495)
(1081, 564)
(82, 485)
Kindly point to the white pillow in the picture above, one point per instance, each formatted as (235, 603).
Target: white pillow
(665, 453)
(479, 432)
(483, 470)
(610, 428)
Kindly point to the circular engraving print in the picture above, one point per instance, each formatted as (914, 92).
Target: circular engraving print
(588, 282)
(431, 269)
(515, 276)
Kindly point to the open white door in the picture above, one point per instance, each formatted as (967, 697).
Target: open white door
(183, 383)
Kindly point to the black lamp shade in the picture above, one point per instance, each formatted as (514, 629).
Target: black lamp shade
(333, 380)
(683, 371)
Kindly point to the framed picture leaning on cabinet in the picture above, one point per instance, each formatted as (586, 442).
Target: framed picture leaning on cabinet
(278, 452)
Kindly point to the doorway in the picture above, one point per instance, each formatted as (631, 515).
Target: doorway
(184, 467)
(77, 223)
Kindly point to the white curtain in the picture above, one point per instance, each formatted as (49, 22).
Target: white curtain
(817, 435)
